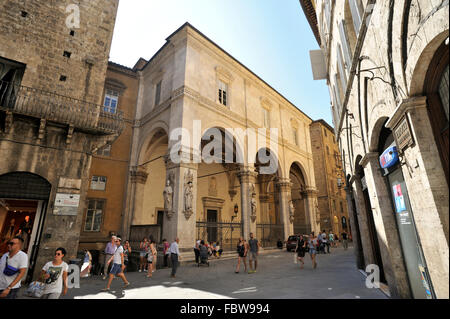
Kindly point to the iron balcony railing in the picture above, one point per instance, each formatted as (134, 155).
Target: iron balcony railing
(58, 108)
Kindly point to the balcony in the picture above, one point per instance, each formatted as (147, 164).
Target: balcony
(57, 108)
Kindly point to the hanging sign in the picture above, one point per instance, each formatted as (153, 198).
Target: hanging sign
(389, 158)
(402, 134)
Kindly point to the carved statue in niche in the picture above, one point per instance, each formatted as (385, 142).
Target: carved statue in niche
(253, 202)
(188, 194)
(291, 211)
(168, 199)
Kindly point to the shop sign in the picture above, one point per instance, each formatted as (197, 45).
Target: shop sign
(66, 204)
(402, 134)
(389, 158)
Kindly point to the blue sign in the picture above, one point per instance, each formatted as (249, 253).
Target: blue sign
(389, 158)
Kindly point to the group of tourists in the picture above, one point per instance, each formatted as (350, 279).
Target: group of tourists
(13, 267)
(209, 249)
(148, 255)
(313, 244)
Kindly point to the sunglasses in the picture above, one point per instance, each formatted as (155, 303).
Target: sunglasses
(58, 254)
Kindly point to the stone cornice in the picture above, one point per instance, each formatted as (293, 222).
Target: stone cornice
(404, 107)
(247, 176)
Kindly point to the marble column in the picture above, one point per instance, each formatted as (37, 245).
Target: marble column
(284, 187)
(427, 188)
(312, 209)
(386, 227)
(247, 179)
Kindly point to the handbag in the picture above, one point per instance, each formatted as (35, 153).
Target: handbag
(35, 289)
(9, 270)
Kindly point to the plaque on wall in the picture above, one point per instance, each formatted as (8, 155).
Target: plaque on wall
(66, 204)
(402, 134)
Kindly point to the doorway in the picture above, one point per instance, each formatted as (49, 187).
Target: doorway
(160, 222)
(211, 219)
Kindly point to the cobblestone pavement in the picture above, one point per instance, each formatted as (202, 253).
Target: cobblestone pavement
(277, 277)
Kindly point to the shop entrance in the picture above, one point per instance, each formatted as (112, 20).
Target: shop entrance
(23, 205)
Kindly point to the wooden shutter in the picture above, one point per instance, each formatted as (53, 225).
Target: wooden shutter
(356, 14)
(345, 45)
(342, 72)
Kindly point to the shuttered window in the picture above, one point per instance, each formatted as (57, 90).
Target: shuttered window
(345, 45)
(342, 71)
(357, 13)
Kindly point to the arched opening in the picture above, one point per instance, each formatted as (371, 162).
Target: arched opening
(149, 179)
(218, 189)
(416, 268)
(23, 206)
(302, 222)
(367, 210)
(269, 223)
(436, 88)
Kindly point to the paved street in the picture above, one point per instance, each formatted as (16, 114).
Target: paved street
(277, 277)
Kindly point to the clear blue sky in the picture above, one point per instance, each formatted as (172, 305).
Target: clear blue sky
(270, 37)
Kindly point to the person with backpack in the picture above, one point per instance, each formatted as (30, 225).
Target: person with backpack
(54, 274)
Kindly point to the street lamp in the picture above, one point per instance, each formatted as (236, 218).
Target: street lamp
(236, 210)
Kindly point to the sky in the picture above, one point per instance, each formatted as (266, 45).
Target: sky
(270, 37)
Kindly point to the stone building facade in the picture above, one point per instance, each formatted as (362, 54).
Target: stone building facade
(330, 179)
(52, 74)
(191, 92)
(386, 64)
(110, 165)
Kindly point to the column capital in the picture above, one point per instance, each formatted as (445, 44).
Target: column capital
(185, 162)
(138, 175)
(284, 184)
(311, 191)
(368, 158)
(247, 176)
(404, 106)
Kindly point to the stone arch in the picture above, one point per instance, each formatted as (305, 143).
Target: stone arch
(146, 142)
(302, 222)
(238, 151)
(422, 51)
(301, 166)
(375, 134)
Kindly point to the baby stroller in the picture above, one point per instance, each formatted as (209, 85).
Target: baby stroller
(203, 256)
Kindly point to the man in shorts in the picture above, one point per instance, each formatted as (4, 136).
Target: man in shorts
(117, 267)
(253, 253)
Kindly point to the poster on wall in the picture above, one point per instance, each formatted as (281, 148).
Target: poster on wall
(66, 204)
(399, 199)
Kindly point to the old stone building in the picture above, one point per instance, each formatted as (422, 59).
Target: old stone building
(330, 179)
(53, 60)
(386, 64)
(191, 94)
(110, 165)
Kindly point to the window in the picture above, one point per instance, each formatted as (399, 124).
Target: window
(158, 93)
(98, 183)
(325, 132)
(328, 150)
(223, 89)
(342, 207)
(105, 151)
(111, 101)
(266, 118)
(94, 215)
(334, 205)
(294, 132)
(357, 10)
(345, 45)
(341, 68)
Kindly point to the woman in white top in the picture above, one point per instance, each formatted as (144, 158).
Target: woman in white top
(54, 274)
(151, 259)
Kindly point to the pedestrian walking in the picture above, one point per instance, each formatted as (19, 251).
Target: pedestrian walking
(344, 237)
(117, 266)
(166, 252)
(197, 251)
(325, 241)
(143, 251)
(54, 274)
(331, 238)
(13, 266)
(174, 256)
(109, 252)
(242, 255)
(151, 259)
(301, 250)
(126, 254)
(254, 251)
(313, 243)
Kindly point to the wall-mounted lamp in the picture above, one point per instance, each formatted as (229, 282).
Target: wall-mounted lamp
(235, 210)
